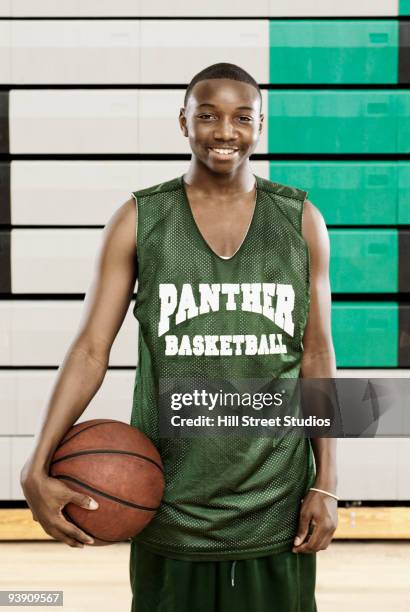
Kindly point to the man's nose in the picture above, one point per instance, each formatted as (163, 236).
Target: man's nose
(225, 130)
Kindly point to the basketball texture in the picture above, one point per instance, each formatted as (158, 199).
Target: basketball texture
(119, 467)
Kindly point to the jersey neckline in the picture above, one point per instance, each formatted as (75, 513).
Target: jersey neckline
(199, 233)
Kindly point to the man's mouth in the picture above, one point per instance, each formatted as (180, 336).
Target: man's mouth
(226, 151)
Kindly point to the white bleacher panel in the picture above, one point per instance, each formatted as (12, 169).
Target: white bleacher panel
(76, 8)
(73, 121)
(404, 468)
(5, 8)
(8, 405)
(334, 8)
(159, 129)
(5, 468)
(53, 260)
(5, 54)
(174, 51)
(28, 392)
(21, 447)
(211, 8)
(85, 192)
(367, 469)
(75, 51)
(5, 337)
(40, 332)
(101, 121)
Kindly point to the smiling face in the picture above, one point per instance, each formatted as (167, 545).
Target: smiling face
(223, 122)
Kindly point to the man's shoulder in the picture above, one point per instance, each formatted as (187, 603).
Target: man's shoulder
(170, 185)
(286, 191)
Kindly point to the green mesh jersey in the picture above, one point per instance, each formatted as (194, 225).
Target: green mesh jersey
(224, 498)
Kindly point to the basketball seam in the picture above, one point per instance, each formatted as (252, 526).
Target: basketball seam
(107, 452)
(89, 533)
(85, 429)
(103, 494)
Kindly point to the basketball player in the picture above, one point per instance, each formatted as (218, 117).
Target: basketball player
(233, 282)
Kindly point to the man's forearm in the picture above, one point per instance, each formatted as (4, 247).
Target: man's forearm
(78, 379)
(323, 365)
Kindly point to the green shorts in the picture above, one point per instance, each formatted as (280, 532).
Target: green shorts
(282, 582)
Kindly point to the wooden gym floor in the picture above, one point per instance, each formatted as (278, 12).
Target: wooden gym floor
(351, 576)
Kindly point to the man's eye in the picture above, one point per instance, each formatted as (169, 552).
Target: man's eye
(246, 118)
(204, 115)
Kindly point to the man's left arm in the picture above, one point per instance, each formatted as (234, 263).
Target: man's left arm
(318, 361)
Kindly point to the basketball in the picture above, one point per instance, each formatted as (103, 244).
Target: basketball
(119, 467)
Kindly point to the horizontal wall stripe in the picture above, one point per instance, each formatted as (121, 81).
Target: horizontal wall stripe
(132, 52)
(43, 261)
(146, 121)
(386, 457)
(212, 8)
(86, 193)
(99, 121)
(25, 392)
(159, 52)
(38, 333)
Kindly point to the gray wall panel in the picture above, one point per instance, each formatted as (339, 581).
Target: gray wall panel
(75, 52)
(85, 192)
(5, 51)
(74, 121)
(212, 8)
(368, 469)
(39, 333)
(54, 261)
(334, 8)
(25, 393)
(5, 468)
(74, 8)
(173, 51)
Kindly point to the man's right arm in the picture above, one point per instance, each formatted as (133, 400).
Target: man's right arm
(84, 367)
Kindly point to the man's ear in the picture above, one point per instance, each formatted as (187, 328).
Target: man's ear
(261, 118)
(182, 122)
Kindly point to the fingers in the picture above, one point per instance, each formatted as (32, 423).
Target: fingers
(303, 528)
(320, 538)
(61, 536)
(64, 531)
(83, 500)
(76, 534)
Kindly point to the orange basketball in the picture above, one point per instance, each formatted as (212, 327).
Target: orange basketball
(119, 467)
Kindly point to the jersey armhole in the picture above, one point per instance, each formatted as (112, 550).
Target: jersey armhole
(308, 262)
(136, 221)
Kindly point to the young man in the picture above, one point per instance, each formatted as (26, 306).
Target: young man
(233, 283)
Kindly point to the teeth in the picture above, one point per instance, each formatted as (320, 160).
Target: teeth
(223, 151)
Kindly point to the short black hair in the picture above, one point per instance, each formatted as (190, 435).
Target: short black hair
(223, 70)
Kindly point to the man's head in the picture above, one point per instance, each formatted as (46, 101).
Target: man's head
(222, 112)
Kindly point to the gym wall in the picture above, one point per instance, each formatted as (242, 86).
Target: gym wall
(90, 92)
